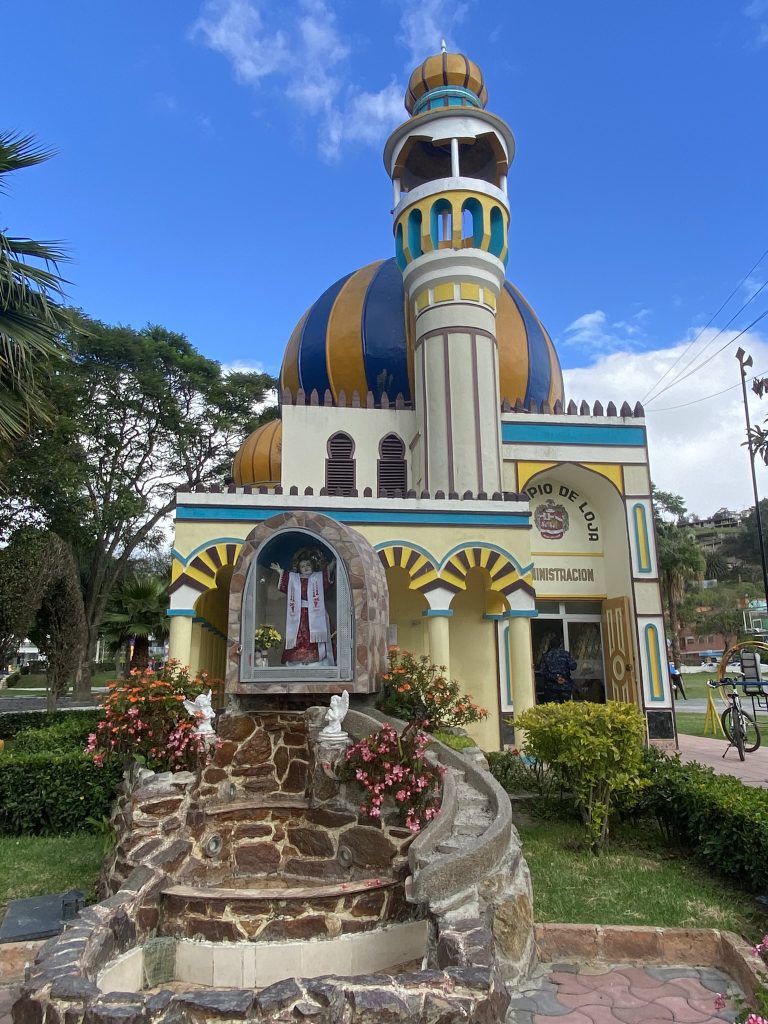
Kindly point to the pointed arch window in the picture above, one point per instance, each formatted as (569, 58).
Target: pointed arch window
(340, 465)
(391, 475)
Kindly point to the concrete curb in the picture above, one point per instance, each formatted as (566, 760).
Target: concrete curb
(693, 947)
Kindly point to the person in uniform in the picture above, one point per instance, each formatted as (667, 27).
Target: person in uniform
(556, 667)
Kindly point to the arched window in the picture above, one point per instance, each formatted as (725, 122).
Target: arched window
(472, 222)
(441, 224)
(340, 465)
(497, 232)
(414, 233)
(391, 469)
(399, 253)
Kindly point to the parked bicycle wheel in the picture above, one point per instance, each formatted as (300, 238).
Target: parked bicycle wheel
(749, 734)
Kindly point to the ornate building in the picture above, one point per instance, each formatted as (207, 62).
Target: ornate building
(426, 454)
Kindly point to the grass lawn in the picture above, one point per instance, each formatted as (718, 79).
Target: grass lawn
(35, 685)
(637, 881)
(34, 865)
(691, 723)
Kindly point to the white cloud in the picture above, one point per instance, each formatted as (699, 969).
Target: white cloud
(425, 24)
(695, 449)
(165, 102)
(757, 11)
(235, 28)
(594, 332)
(311, 53)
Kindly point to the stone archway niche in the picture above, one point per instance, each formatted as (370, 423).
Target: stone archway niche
(358, 606)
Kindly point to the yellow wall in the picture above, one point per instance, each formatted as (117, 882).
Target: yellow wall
(473, 656)
(405, 612)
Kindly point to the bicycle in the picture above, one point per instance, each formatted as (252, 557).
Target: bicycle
(738, 725)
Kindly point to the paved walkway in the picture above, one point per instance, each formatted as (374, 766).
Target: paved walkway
(28, 703)
(604, 994)
(570, 994)
(708, 751)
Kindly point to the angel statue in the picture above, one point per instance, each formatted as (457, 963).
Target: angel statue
(336, 714)
(203, 712)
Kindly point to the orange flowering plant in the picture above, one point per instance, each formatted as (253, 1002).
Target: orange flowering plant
(419, 691)
(144, 720)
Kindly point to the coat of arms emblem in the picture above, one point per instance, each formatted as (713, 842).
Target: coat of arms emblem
(551, 520)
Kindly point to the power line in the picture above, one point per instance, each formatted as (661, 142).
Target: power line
(704, 328)
(670, 408)
(722, 348)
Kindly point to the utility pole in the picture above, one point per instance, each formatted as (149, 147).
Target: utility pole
(744, 362)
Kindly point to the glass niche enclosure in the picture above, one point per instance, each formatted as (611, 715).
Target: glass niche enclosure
(297, 621)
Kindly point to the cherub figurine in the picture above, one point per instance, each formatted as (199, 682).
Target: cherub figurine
(336, 714)
(203, 712)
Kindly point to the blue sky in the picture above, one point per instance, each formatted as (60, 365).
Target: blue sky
(219, 164)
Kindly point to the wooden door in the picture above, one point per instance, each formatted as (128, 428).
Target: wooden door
(618, 652)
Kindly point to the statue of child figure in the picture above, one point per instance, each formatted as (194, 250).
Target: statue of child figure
(307, 626)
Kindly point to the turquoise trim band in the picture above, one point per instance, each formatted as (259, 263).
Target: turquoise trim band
(188, 613)
(521, 613)
(437, 613)
(215, 513)
(567, 433)
(435, 97)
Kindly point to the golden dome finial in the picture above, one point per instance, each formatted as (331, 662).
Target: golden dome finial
(445, 80)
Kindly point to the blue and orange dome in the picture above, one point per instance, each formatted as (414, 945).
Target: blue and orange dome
(358, 337)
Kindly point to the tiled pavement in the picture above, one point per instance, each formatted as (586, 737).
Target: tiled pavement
(595, 994)
(606, 994)
(753, 771)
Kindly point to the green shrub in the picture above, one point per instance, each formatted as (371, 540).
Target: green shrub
(44, 794)
(71, 734)
(13, 722)
(519, 774)
(13, 679)
(417, 690)
(596, 751)
(723, 821)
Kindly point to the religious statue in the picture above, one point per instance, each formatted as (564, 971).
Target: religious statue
(336, 714)
(307, 626)
(203, 712)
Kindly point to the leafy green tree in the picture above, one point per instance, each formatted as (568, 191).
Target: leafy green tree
(40, 597)
(137, 612)
(31, 316)
(680, 558)
(139, 414)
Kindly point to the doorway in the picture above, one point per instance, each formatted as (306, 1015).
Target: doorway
(577, 625)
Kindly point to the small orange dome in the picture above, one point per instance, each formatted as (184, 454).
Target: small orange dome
(442, 70)
(259, 459)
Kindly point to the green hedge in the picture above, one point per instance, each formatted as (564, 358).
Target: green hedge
(724, 822)
(68, 736)
(48, 794)
(13, 722)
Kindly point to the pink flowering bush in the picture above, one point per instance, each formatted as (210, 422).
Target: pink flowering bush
(417, 690)
(144, 720)
(388, 765)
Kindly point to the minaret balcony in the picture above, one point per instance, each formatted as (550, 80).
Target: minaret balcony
(451, 214)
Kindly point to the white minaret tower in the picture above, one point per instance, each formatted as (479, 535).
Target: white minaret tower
(449, 165)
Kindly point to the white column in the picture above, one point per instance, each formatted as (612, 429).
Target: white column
(396, 190)
(455, 172)
(180, 639)
(521, 667)
(438, 626)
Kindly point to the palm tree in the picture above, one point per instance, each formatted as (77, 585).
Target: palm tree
(137, 612)
(680, 560)
(31, 316)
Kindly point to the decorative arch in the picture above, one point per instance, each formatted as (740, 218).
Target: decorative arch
(506, 575)
(200, 569)
(419, 564)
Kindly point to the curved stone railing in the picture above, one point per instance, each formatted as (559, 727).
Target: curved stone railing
(483, 877)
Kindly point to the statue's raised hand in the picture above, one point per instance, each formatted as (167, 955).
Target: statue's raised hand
(278, 568)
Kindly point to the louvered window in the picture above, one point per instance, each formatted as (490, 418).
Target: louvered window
(340, 465)
(391, 470)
